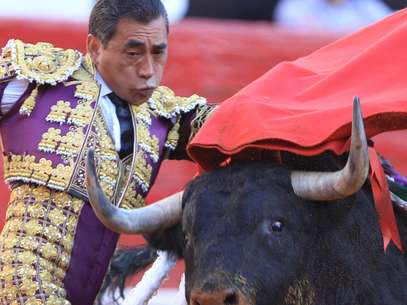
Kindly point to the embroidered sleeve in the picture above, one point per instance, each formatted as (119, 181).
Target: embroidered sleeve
(189, 124)
(41, 63)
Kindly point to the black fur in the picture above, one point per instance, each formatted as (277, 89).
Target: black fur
(331, 252)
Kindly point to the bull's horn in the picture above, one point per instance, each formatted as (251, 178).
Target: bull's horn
(322, 186)
(162, 214)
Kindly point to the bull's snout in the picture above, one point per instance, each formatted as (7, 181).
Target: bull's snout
(218, 297)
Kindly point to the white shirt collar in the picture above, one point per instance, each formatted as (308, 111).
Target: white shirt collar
(104, 88)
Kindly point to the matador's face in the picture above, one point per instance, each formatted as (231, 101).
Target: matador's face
(133, 62)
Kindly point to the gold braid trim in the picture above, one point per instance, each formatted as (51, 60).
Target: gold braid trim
(41, 63)
(202, 115)
(36, 245)
(164, 103)
(5, 64)
(173, 135)
(25, 168)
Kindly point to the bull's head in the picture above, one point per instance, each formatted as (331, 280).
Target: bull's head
(245, 229)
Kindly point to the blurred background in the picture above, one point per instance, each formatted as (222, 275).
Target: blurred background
(223, 44)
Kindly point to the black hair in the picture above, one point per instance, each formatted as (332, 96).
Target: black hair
(106, 14)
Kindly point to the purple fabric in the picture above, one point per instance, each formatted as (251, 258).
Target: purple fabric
(94, 245)
(391, 171)
(2, 88)
(30, 129)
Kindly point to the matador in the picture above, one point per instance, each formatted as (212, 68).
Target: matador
(57, 104)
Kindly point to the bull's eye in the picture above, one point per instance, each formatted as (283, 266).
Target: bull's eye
(277, 226)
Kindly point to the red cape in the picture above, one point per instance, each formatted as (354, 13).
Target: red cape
(305, 106)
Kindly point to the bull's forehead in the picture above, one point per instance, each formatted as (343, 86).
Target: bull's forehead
(242, 195)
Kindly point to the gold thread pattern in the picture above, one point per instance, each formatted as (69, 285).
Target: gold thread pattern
(173, 136)
(202, 115)
(81, 115)
(26, 168)
(147, 141)
(59, 112)
(29, 103)
(36, 244)
(132, 201)
(142, 171)
(42, 63)
(50, 140)
(71, 143)
(164, 103)
(87, 90)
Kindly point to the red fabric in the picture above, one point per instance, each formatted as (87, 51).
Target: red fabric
(384, 208)
(305, 106)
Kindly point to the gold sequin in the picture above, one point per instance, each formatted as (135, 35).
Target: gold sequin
(59, 112)
(42, 62)
(34, 254)
(165, 104)
(147, 141)
(71, 143)
(50, 140)
(142, 171)
(81, 115)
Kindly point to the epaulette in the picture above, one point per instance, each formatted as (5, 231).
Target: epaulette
(41, 63)
(164, 103)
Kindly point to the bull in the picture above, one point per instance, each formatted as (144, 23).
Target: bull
(304, 232)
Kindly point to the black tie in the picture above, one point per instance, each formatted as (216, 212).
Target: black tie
(126, 125)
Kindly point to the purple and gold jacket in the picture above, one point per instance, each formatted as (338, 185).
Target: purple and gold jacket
(45, 138)
(57, 120)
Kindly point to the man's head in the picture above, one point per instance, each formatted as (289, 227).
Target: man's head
(127, 42)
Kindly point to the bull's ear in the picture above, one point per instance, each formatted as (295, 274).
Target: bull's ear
(170, 239)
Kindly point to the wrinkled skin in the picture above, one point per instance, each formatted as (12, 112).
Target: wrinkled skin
(248, 239)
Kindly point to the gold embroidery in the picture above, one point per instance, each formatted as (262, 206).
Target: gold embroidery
(41, 171)
(29, 104)
(87, 71)
(35, 250)
(3, 70)
(88, 90)
(164, 103)
(142, 171)
(25, 168)
(17, 167)
(132, 201)
(50, 140)
(42, 63)
(59, 112)
(60, 176)
(202, 115)
(81, 115)
(173, 136)
(148, 142)
(143, 113)
(105, 148)
(71, 143)
(108, 172)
